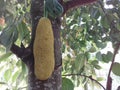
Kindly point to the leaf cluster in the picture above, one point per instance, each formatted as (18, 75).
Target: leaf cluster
(17, 29)
(86, 31)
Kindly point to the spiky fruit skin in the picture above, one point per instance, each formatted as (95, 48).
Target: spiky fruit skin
(43, 49)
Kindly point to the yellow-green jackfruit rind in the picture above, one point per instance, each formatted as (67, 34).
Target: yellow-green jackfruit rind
(43, 49)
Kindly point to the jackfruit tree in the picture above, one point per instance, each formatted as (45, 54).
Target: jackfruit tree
(57, 44)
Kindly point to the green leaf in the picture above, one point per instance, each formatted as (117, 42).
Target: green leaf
(23, 30)
(92, 49)
(107, 57)
(95, 13)
(24, 68)
(95, 64)
(5, 56)
(68, 55)
(100, 44)
(8, 37)
(99, 56)
(20, 78)
(104, 58)
(22, 73)
(116, 68)
(104, 22)
(115, 35)
(7, 74)
(79, 62)
(15, 75)
(63, 48)
(67, 84)
(97, 67)
(100, 78)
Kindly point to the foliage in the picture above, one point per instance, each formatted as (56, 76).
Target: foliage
(16, 26)
(86, 31)
(115, 69)
(13, 72)
(17, 21)
(67, 84)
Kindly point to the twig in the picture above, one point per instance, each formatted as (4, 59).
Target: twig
(109, 79)
(112, 27)
(90, 77)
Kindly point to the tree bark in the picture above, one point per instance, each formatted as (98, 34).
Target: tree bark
(54, 82)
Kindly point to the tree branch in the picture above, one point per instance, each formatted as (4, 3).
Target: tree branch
(113, 29)
(21, 52)
(74, 3)
(109, 79)
(118, 88)
(90, 77)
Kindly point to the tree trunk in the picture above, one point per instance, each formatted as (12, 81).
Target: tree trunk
(54, 82)
(26, 54)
